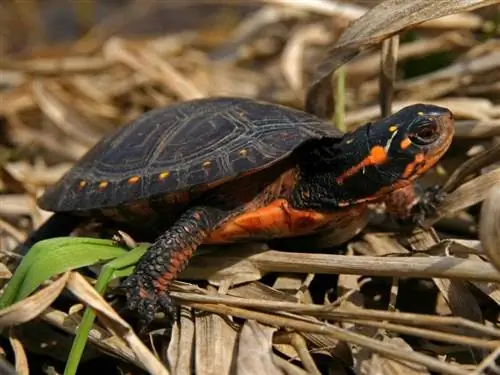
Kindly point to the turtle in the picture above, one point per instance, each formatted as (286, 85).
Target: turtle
(226, 169)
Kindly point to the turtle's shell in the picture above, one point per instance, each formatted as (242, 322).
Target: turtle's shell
(183, 146)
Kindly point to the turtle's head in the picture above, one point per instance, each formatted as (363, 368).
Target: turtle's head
(386, 155)
(414, 138)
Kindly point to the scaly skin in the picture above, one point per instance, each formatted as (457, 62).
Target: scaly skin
(412, 204)
(166, 258)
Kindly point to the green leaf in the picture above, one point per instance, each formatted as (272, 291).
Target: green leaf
(54, 256)
(121, 266)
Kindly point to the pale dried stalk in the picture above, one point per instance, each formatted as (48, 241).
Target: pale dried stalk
(293, 53)
(489, 225)
(327, 7)
(17, 99)
(430, 335)
(287, 367)
(54, 104)
(468, 194)
(463, 21)
(300, 345)
(56, 67)
(448, 267)
(444, 82)
(387, 74)
(22, 367)
(481, 110)
(250, 26)
(247, 265)
(471, 166)
(370, 64)
(11, 230)
(150, 64)
(342, 335)
(461, 69)
(343, 314)
(489, 363)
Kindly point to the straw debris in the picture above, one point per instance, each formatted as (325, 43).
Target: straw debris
(389, 301)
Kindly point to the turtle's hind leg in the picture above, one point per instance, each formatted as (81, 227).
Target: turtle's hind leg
(147, 287)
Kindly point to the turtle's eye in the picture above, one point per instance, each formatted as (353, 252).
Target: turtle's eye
(424, 134)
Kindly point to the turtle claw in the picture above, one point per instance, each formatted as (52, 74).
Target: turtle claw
(144, 298)
(427, 206)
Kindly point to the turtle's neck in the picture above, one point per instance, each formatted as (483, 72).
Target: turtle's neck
(328, 177)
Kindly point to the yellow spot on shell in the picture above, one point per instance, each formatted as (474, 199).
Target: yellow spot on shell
(207, 164)
(244, 152)
(420, 113)
(103, 184)
(133, 180)
(163, 175)
(82, 183)
(393, 128)
(349, 141)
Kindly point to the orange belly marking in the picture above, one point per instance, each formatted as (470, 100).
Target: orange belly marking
(278, 219)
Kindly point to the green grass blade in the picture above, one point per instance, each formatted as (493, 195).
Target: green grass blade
(51, 257)
(110, 271)
(85, 325)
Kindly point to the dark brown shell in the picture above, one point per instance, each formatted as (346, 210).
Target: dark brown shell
(180, 147)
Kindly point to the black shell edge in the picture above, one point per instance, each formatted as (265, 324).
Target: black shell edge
(44, 201)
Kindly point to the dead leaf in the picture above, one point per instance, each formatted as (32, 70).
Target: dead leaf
(215, 338)
(255, 353)
(383, 365)
(180, 349)
(29, 308)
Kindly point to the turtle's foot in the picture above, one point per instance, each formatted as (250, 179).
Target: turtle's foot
(427, 205)
(147, 288)
(144, 298)
(412, 205)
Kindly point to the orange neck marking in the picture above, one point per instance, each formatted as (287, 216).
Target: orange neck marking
(411, 168)
(377, 156)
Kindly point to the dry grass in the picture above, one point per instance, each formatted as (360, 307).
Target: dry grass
(406, 303)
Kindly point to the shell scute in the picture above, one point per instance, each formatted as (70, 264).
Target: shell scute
(181, 147)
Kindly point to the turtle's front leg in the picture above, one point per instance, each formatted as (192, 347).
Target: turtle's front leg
(147, 287)
(413, 204)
